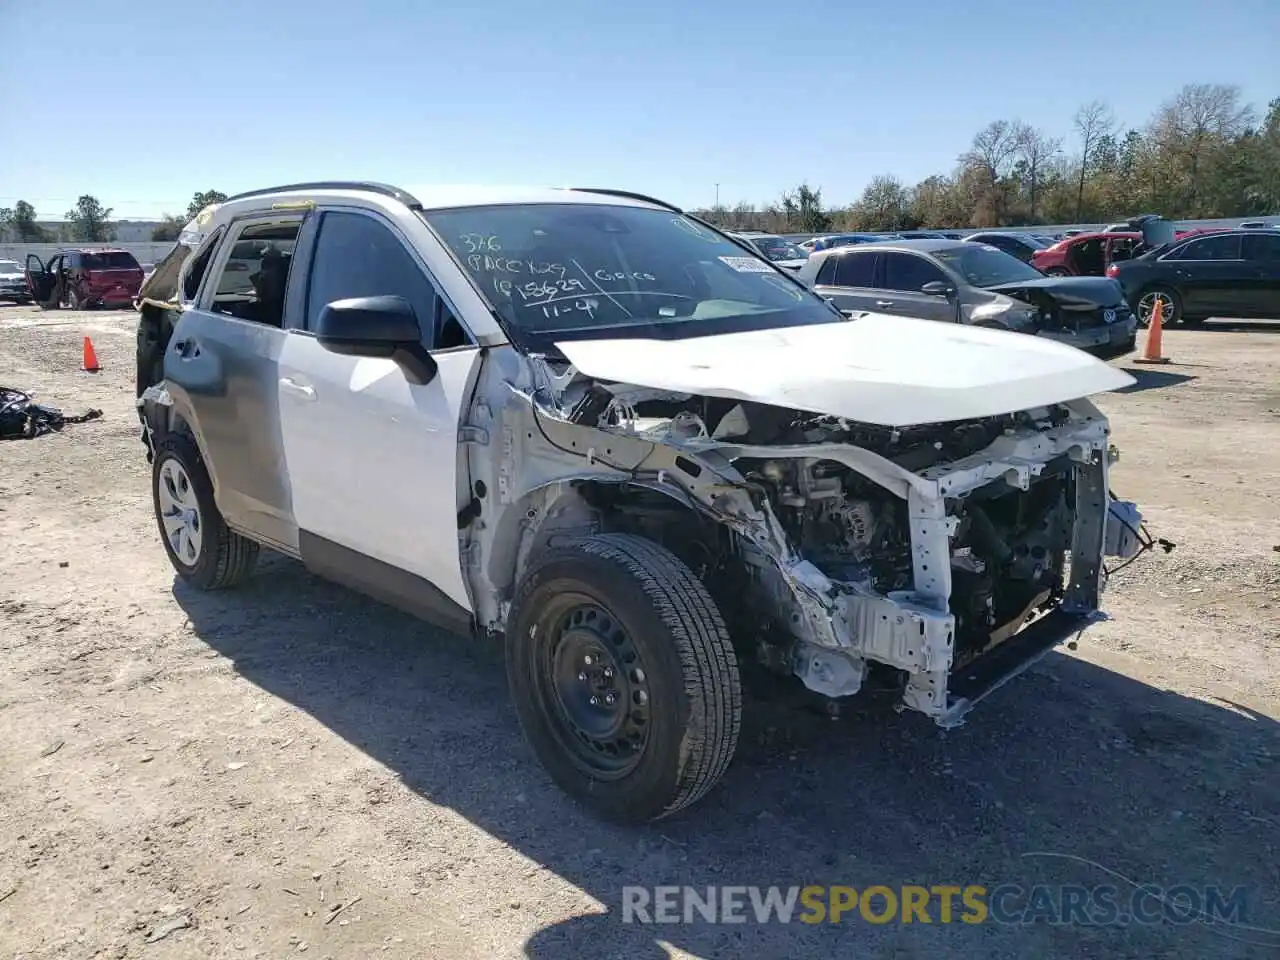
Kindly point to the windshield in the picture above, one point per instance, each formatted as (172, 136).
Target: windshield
(110, 260)
(581, 271)
(984, 266)
(778, 248)
(9, 266)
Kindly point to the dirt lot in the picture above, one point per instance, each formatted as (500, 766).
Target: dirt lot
(190, 775)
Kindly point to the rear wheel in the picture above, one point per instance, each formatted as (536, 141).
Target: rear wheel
(623, 676)
(202, 548)
(1171, 305)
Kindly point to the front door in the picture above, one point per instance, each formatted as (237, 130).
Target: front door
(374, 467)
(1210, 273)
(39, 279)
(901, 293)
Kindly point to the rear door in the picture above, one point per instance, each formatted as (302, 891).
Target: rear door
(222, 369)
(848, 280)
(1262, 254)
(375, 474)
(904, 274)
(1212, 276)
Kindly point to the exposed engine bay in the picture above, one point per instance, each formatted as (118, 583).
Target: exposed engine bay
(835, 548)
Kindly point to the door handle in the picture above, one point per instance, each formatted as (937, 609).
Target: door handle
(289, 385)
(884, 303)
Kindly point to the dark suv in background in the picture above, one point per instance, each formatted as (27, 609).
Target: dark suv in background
(83, 279)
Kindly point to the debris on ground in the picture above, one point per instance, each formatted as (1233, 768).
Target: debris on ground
(23, 418)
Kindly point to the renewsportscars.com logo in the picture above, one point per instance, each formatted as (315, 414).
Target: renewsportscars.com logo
(1099, 905)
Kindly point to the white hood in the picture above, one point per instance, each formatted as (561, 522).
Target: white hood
(879, 369)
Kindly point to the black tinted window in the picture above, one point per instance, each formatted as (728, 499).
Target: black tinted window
(356, 256)
(856, 270)
(111, 260)
(827, 272)
(1264, 246)
(902, 271)
(1224, 246)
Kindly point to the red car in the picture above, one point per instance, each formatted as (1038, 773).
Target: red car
(1085, 254)
(83, 279)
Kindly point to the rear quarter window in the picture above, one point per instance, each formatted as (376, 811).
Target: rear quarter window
(110, 260)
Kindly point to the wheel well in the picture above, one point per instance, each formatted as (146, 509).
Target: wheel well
(573, 508)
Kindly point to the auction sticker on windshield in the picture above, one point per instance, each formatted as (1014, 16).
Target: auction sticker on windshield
(746, 264)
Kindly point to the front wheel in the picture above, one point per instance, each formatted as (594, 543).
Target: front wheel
(1171, 306)
(202, 548)
(623, 676)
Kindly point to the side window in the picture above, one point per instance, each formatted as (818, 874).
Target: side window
(827, 272)
(902, 271)
(1264, 246)
(856, 270)
(199, 267)
(357, 256)
(1222, 247)
(255, 276)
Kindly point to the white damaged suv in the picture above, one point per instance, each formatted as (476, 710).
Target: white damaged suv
(590, 423)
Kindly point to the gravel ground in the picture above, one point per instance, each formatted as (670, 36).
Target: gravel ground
(191, 775)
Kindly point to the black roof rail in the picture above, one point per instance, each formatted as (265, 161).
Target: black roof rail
(395, 193)
(628, 195)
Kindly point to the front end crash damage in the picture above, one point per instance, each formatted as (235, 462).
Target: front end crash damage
(941, 560)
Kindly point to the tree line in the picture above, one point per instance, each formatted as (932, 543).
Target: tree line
(90, 222)
(1204, 154)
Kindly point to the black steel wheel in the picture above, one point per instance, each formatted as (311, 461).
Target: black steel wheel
(592, 679)
(623, 676)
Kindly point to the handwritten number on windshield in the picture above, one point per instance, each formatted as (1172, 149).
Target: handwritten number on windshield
(481, 243)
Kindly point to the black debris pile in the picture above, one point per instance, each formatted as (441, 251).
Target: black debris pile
(21, 418)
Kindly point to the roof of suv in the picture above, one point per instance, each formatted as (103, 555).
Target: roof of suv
(444, 196)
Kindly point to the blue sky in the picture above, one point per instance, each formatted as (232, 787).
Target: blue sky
(143, 102)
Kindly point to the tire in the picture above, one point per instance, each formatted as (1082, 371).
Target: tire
(1172, 310)
(205, 552)
(622, 600)
(1056, 272)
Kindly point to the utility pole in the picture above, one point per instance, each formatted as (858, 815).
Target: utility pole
(717, 206)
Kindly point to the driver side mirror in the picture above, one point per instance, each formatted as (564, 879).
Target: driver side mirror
(385, 327)
(936, 288)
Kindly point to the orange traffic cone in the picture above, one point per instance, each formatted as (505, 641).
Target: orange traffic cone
(1151, 353)
(90, 357)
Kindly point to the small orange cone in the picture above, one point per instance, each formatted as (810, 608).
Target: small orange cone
(1151, 353)
(90, 357)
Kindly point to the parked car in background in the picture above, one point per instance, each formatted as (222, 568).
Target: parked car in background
(1260, 225)
(785, 253)
(845, 240)
(959, 281)
(1085, 254)
(1021, 245)
(13, 282)
(1225, 273)
(84, 279)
